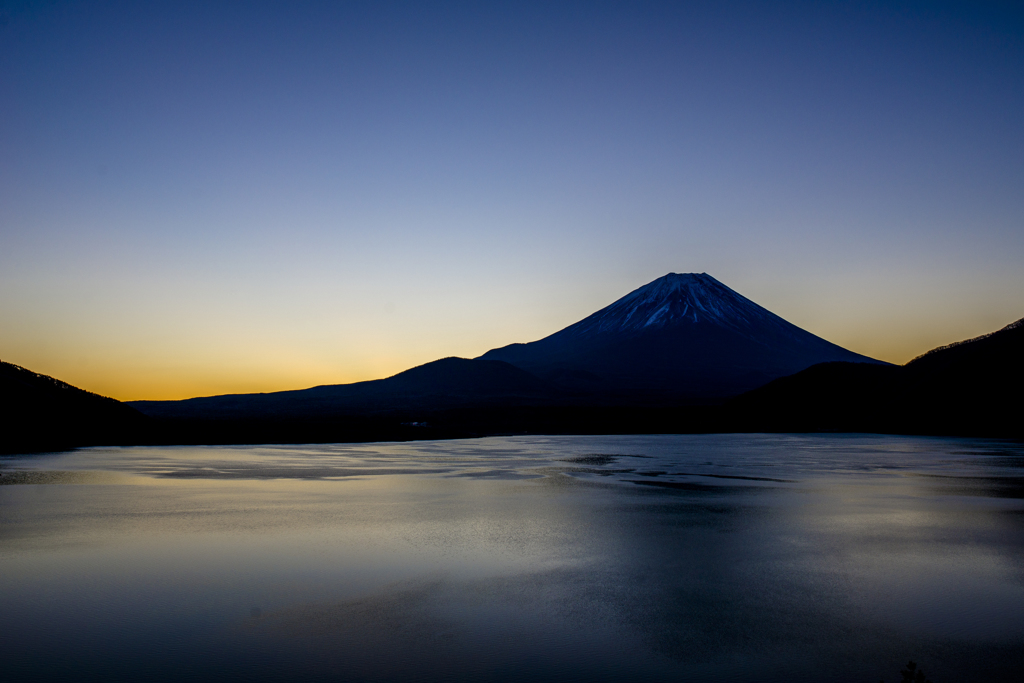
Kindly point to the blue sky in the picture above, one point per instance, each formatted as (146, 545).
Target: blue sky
(204, 198)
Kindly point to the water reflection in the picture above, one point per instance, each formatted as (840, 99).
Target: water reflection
(577, 558)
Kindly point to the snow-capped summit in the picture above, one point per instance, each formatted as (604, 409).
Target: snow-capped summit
(684, 336)
(677, 299)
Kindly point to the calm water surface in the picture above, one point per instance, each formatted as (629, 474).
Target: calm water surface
(647, 558)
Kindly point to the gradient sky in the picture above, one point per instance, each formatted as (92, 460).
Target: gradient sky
(201, 198)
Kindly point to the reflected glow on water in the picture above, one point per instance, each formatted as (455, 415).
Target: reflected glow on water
(724, 557)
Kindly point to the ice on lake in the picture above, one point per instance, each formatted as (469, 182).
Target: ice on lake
(706, 558)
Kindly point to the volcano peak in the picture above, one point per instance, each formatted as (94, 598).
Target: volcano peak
(684, 335)
(676, 299)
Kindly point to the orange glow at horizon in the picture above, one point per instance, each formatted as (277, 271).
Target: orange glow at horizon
(196, 200)
(215, 370)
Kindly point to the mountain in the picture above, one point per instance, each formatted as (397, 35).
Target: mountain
(683, 338)
(38, 412)
(970, 388)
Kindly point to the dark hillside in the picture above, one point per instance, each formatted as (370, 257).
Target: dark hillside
(972, 387)
(39, 413)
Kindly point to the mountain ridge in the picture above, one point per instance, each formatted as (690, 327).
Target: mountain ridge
(965, 388)
(445, 383)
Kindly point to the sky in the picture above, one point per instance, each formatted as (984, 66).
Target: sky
(206, 198)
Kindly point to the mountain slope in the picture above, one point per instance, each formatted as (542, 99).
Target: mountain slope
(972, 387)
(442, 384)
(38, 412)
(681, 338)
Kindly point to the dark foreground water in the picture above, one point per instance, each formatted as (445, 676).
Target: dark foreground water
(650, 558)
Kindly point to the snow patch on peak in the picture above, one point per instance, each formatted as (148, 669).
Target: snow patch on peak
(678, 299)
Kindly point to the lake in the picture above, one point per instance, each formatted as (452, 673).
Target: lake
(610, 558)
